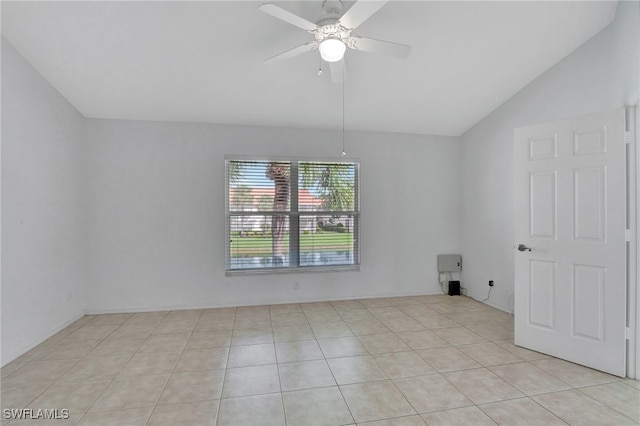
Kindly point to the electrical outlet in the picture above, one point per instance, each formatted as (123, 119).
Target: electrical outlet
(296, 285)
(490, 283)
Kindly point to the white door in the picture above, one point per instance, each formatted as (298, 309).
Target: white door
(570, 207)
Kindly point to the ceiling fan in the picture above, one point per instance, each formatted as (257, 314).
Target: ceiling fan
(332, 34)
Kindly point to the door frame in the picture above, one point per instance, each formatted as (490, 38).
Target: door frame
(633, 272)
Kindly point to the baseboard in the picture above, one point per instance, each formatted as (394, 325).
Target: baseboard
(277, 301)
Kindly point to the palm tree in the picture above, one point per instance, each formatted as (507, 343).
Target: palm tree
(279, 174)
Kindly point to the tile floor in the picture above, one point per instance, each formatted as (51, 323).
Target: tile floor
(433, 360)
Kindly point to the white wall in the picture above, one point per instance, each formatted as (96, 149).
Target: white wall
(602, 74)
(43, 221)
(156, 209)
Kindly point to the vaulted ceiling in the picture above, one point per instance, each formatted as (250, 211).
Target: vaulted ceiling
(203, 61)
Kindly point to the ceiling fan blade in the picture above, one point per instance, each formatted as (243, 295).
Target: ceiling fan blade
(360, 12)
(338, 71)
(292, 53)
(387, 48)
(287, 16)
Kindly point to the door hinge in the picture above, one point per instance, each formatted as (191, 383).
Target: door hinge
(627, 137)
(627, 333)
(628, 235)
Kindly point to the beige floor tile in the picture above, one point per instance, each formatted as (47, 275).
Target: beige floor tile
(252, 336)
(290, 333)
(130, 417)
(305, 375)
(435, 321)
(521, 411)
(459, 336)
(302, 350)
(99, 368)
(133, 392)
(76, 397)
(144, 364)
(149, 318)
(492, 331)
(361, 314)
(400, 324)
(417, 310)
(356, 369)
(73, 349)
(403, 364)
(245, 381)
(170, 326)
(466, 416)
(142, 330)
(265, 410)
(383, 343)
(397, 421)
(622, 398)
(573, 374)
(109, 319)
(19, 395)
(482, 386)
(424, 339)
(431, 393)
(576, 408)
(93, 332)
(193, 386)
(202, 359)
(285, 308)
(375, 401)
(322, 317)
(367, 327)
(248, 355)
(252, 310)
(215, 325)
(528, 379)
(341, 347)
(316, 307)
(633, 383)
(252, 321)
(193, 414)
(489, 354)
(321, 407)
(117, 346)
(330, 330)
(209, 339)
(447, 359)
(42, 371)
(523, 353)
(383, 312)
(157, 343)
(341, 305)
(375, 302)
(288, 318)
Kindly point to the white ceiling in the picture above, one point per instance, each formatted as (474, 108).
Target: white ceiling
(202, 61)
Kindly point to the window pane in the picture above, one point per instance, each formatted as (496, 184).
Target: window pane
(259, 241)
(258, 186)
(327, 240)
(326, 186)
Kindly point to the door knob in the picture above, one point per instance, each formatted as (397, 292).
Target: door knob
(522, 247)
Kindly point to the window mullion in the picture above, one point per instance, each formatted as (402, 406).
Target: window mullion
(294, 218)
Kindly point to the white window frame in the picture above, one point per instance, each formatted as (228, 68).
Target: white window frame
(294, 217)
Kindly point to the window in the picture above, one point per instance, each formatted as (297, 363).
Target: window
(292, 215)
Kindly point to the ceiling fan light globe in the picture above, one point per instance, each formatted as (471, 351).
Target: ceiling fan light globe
(332, 49)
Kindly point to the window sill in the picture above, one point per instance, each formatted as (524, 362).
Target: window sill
(301, 269)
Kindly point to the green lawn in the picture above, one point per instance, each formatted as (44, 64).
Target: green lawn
(261, 246)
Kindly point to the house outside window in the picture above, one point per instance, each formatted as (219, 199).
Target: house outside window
(285, 215)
